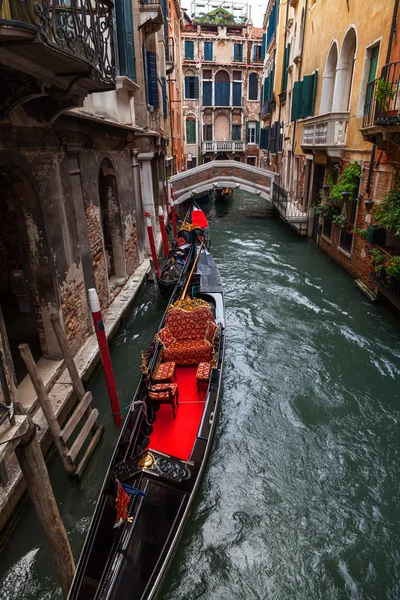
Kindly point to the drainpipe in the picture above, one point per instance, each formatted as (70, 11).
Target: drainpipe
(392, 30)
(279, 114)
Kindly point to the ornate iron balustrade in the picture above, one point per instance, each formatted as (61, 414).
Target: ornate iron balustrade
(82, 28)
(389, 286)
(266, 108)
(387, 110)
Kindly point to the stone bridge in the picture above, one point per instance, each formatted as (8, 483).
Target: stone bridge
(221, 174)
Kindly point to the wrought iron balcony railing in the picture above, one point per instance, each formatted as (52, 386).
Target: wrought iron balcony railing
(266, 108)
(82, 29)
(226, 146)
(382, 98)
(389, 286)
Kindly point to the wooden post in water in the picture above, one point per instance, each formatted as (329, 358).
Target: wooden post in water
(44, 401)
(71, 366)
(37, 481)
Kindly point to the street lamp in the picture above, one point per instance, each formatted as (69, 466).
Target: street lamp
(369, 203)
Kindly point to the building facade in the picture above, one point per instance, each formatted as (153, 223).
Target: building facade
(84, 134)
(320, 64)
(222, 61)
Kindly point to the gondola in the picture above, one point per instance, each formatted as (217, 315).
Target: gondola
(163, 448)
(183, 249)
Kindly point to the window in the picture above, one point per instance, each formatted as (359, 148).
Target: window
(237, 158)
(126, 46)
(191, 162)
(367, 86)
(207, 87)
(285, 65)
(206, 159)
(251, 160)
(208, 51)
(191, 86)
(189, 50)
(236, 132)
(251, 132)
(190, 130)
(222, 85)
(207, 133)
(257, 54)
(150, 76)
(238, 52)
(346, 238)
(237, 93)
(164, 95)
(253, 86)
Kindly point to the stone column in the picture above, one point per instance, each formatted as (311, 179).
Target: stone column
(147, 190)
(138, 203)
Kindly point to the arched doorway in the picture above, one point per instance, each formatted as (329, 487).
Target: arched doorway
(26, 285)
(328, 80)
(221, 128)
(222, 89)
(344, 73)
(111, 221)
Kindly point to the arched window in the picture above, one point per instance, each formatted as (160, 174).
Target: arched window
(344, 73)
(222, 84)
(190, 129)
(191, 85)
(328, 81)
(253, 86)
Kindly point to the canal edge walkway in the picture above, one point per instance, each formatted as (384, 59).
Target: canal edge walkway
(60, 390)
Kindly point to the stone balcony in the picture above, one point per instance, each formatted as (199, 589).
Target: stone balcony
(226, 146)
(326, 133)
(151, 17)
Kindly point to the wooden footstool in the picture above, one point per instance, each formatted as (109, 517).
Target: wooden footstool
(203, 374)
(165, 372)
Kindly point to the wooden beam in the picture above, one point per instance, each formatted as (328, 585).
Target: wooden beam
(75, 417)
(88, 453)
(37, 481)
(77, 445)
(44, 402)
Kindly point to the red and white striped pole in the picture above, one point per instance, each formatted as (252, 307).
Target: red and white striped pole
(162, 229)
(151, 241)
(105, 355)
(173, 215)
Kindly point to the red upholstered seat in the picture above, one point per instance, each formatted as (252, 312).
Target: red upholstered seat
(188, 352)
(203, 371)
(165, 371)
(164, 393)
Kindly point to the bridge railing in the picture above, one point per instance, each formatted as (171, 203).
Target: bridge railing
(288, 208)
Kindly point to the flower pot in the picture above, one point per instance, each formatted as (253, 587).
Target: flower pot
(376, 235)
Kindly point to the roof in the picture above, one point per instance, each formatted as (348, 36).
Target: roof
(257, 33)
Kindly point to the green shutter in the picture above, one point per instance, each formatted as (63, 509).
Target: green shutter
(284, 68)
(189, 50)
(196, 88)
(306, 96)
(126, 46)
(190, 131)
(314, 94)
(264, 41)
(257, 132)
(296, 100)
(247, 133)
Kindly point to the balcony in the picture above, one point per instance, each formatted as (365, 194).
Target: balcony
(389, 286)
(381, 120)
(267, 108)
(66, 47)
(326, 133)
(151, 17)
(169, 55)
(226, 146)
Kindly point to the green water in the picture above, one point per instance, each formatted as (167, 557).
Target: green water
(301, 496)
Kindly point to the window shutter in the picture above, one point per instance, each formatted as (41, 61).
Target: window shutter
(164, 95)
(257, 132)
(254, 53)
(196, 88)
(253, 87)
(237, 94)
(189, 50)
(240, 52)
(146, 75)
(126, 46)
(284, 69)
(190, 131)
(314, 92)
(306, 96)
(187, 87)
(152, 78)
(208, 51)
(247, 133)
(207, 93)
(264, 41)
(296, 99)
(235, 52)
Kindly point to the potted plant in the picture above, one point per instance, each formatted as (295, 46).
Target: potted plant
(376, 235)
(384, 94)
(387, 213)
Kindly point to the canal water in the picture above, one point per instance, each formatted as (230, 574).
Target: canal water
(301, 496)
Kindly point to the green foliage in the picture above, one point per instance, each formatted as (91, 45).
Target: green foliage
(361, 233)
(384, 93)
(387, 213)
(379, 260)
(392, 266)
(348, 182)
(339, 220)
(326, 211)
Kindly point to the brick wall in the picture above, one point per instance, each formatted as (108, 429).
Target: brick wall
(131, 249)
(75, 315)
(97, 250)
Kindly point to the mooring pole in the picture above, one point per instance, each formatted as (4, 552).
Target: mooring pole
(162, 229)
(38, 484)
(105, 355)
(151, 241)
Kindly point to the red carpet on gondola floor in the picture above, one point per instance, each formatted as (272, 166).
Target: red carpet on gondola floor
(176, 436)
